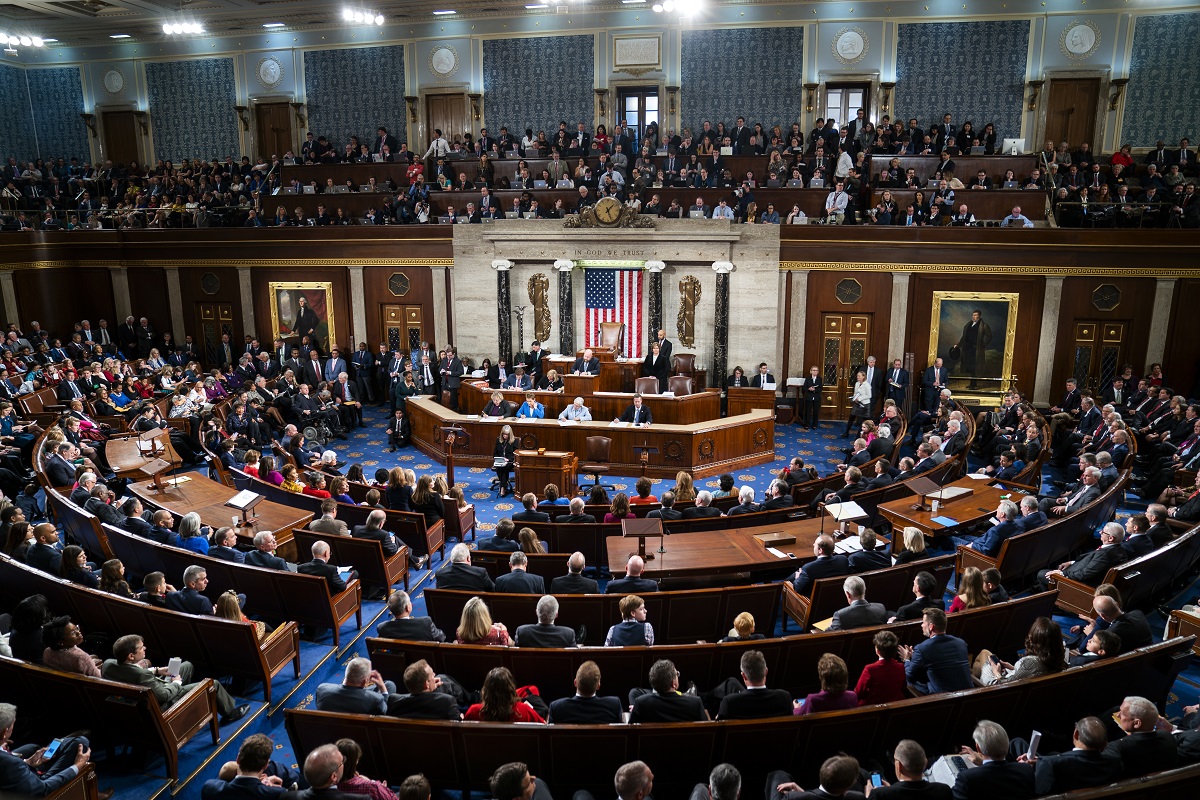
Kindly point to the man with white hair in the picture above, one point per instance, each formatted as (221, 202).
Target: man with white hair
(955, 439)
(1091, 568)
(459, 574)
(362, 691)
(1087, 491)
(1006, 526)
(576, 412)
(746, 504)
(778, 496)
(724, 783)
(321, 567)
(702, 508)
(83, 491)
(518, 580)
(1145, 749)
(545, 633)
(633, 582)
(858, 613)
(996, 776)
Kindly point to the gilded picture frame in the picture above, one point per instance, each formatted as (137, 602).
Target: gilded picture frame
(978, 358)
(285, 304)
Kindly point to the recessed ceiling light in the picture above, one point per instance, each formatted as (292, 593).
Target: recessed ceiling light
(49, 40)
(532, 6)
(120, 36)
(633, 2)
(444, 13)
(273, 24)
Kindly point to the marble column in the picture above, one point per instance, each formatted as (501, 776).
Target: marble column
(721, 322)
(1160, 316)
(441, 309)
(9, 289)
(1051, 307)
(899, 326)
(120, 286)
(174, 298)
(796, 365)
(503, 307)
(656, 297)
(358, 311)
(246, 293)
(566, 306)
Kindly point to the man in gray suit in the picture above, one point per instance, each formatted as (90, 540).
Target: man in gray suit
(362, 691)
(1089, 490)
(859, 613)
(123, 667)
(328, 521)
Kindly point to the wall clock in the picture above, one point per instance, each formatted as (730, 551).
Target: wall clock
(399, 284)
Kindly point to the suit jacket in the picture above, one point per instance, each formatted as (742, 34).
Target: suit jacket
(591, 367)
(189, 601)
(1029, 522)
(1090, 568)
(1133, 630)
(657, 368)
(426, 705)
(413, 629)
(573, 584)
(240, 788)
(227, 554)
(917, 607)
(520, 582)
(332, 526)
(23, 780)
(60, 471)
(390, 547)
(643, 417)
(995, 781)
(579, 710)
(1142, 753)
(655, 707)
(1075, 769)
(867, 560)
(350, 699)
(1138, 546)
(465, 576)
(165, 692)
(258, 558)
(859, 614)
(941, 663)
(1083, 496)
(539, 635)
(756, 704)
(744, 508)
(631, 586)
(989, 543)
(917, 790)
(822, 567)
(575, 518)
(699, 512)
(531, 516)
(44, 557)
(324, 570)
(666, 513)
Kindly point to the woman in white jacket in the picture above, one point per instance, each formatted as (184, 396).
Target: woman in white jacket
(860, 403)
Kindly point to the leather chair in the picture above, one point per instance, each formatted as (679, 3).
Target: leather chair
(679, 385)
(647, 385)
(685, 364)
(599, 449)
(612, 336)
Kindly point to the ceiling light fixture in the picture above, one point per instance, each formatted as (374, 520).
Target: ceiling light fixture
(684, 7)
(181, 28)
(633, 2)
(272, 24)
(361, 16)
(534, 6)
(444, 13)
(120, 36)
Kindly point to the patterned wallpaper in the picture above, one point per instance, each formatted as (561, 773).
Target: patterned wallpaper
(516, 89)
(1162, 100)
(57, 96)
(755, 72)
(191, 109)
(16, 125)
(974, 70)
(351, 92)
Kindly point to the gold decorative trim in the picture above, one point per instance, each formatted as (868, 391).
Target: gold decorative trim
(208, 264)
(1148, 271)
(275, 287)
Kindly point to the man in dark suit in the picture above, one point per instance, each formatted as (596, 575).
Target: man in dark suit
(59, 469)
(940, 663)
(876, 379)
(374, 531)
(461, 575)
(810, 393)
(21, 778)
(664, 345)
(827, 565)
(702, 508)
(1130, 626)
(321, 567)
(1145, 749)
(258, 777)
(224, 540)
(763, 379)
(664, 703)
(633, 582)
(1084, 766)
(909, 760)
(263, 554)
(586, 364)
(853, 486)
(574, 582)
(636, 413)
(545, 633)
(924, 588)
(989, 544)
(778, 496)
(932, 383)
(451, 370)
(883, 475)
(871, 556)
(426, 699)
(1031, 517)
(404, 625)
(746, 504)
(577, 515)
(858, 613)
(1156, 513)
(1137, 543)
(518, 580)
(757, 702)
(189, 599)
(530, 512)
(586, 707)
(994, 777)
(362, 691)
(1091, 568)
(668, 511)
(384, 138)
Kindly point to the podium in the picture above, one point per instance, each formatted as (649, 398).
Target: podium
(742, 401)
(536, 468)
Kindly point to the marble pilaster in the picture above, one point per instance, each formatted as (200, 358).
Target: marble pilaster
(174, 298)
(799, 315)
(502, 266)
(566, 310)
(655, 299)
(9, 288)
(1051, 307)
(246, 293)
(899, 326)
(120, 286)
(358, 309)
(1160, 316)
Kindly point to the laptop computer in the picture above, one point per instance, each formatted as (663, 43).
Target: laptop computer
(696, 213)
(773, 183)
(289, 162)
(530, 215)
(443, 220)
(339, 190)
(288, 190)
(795, 183)
(562, 184)
(932, 183)
(1010, 185)
(377, 158)
(513, 154)
(462, 220)
(799, 220)
(978, 150)
(726, 151)
(365, 187)
(816, 183)
(540, 185)
(310, 190)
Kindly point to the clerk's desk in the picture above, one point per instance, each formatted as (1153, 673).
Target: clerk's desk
(604, 406)
(704, 448)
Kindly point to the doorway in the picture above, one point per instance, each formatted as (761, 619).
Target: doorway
(213, 320)
(120, 137)
(1071, 110)
(845, 341)
(637, 107)
(1099, 349)
(272, 129)
(843, 100)
(403, 327)
(447, 112)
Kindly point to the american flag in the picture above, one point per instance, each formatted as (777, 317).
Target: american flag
(614, 295)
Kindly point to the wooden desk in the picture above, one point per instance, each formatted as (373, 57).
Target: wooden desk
(126, 459)
(741, 401)
(704, 448)
(609, 380)
(720, 553)
(966, 510)
(207, 498)
(535, 470)
(685, 410)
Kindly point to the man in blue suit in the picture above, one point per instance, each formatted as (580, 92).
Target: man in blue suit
(897, 383)
(257, 775)
(1032, 517)
(827, 565)
(26, 772)
(189, 599)
(362, 691)
(995, 776)
(940, 663)
(989, 543)
(1086, 765)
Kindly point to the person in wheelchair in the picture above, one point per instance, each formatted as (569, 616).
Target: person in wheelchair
(310, 410)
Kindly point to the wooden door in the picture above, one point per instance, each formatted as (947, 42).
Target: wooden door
(213, 320)
(845, 339)
(1071, 111)
(843, 100)
(273, 129)
(447, 112)
(1100, 348)
(403, 327)
(120, 137)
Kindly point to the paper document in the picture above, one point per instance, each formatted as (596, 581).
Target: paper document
(776, 552)
(945, 522)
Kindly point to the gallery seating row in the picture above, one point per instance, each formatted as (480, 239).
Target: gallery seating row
(365, 555)
(457, 755)
(678, 617)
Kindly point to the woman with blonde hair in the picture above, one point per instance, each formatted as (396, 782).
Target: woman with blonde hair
(475, 626)
(529, 541)
(398, 494)
(229, 608)
(914, 545)
(971, 593)
(684, 491)
(743, 629)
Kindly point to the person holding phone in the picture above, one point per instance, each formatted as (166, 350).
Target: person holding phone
(32, 771)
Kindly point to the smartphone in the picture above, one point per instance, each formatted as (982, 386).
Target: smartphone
(52, 749)
(173, 666)
(876, 780)
(992, 657)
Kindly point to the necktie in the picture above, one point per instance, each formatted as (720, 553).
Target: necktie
(428, 375)
(75, 390)
(346, 390)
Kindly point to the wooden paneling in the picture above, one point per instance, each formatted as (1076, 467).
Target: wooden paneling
(58, 298)
(1181, 363)
(1031, 292)
(190, 287)
(148, 297)
(338, 276)
(420, 293)
(1071, 110)
(1137, 299)
(876, 300)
